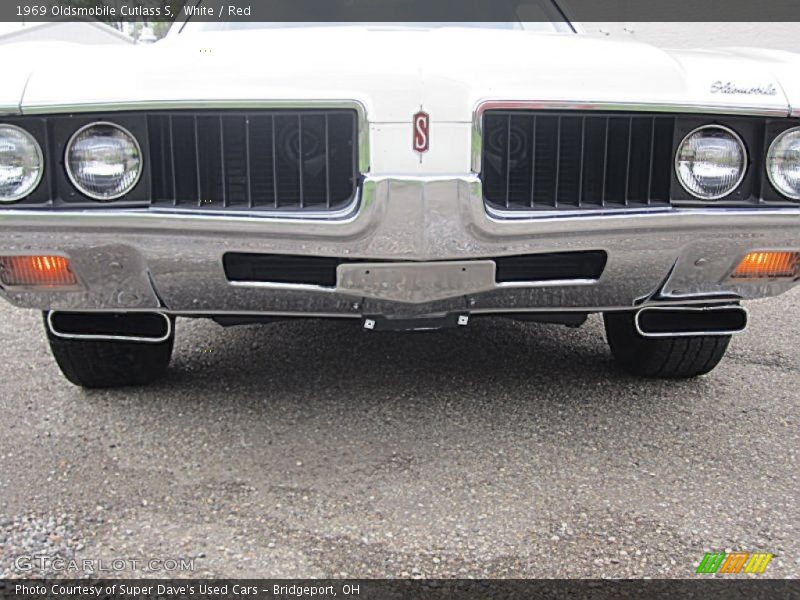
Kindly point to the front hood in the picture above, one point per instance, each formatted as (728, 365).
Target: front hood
(393, 71)
(14, 79)
(785, 65)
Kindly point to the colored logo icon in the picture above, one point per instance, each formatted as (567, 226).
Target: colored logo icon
(735, 562)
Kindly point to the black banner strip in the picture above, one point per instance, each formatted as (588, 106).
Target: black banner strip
(734, 588)
(388, 11)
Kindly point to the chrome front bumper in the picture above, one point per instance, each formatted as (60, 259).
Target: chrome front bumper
(143, 259)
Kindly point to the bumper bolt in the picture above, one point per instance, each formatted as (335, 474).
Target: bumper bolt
(127, 298)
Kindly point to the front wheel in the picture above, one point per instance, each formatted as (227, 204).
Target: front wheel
(107, 363)
(663, 358)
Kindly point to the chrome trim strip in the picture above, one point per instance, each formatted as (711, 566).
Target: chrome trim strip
(357, 315)
(145, 105)
(110, 338)
(689, 309)
(286, 216)
(296, 287)
(528, 215)
(299, 287)
(655, 107)
(543, 283)
(207, 314)
(661, 303)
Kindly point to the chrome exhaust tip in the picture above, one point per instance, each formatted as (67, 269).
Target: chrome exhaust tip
(151, 327)
(684, 321)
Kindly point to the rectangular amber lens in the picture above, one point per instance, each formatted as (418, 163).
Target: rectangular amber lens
(37, 271)
(769, 264)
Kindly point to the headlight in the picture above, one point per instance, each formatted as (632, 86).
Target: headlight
(104, 161)
(783, 163)
(21, 163)
(711, 162)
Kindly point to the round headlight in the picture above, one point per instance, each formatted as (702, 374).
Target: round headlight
(104, 161)
(711, 162)
(21, 163)
(783, 163)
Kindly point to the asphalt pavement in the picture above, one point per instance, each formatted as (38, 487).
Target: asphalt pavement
(315, 449)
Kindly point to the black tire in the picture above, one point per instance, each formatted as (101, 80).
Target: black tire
(663, 358)
(109, 364)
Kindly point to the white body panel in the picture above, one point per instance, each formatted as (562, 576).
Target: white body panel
(393, 71)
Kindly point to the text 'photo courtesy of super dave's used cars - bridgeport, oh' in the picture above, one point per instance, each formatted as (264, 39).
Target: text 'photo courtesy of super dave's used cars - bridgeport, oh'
(551, 176)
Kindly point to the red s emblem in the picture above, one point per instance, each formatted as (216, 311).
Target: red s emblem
(421, 128)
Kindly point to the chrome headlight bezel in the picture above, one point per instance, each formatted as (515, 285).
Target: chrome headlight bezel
(71, 176)
(745, 162)
(40, 157)
(768, 164)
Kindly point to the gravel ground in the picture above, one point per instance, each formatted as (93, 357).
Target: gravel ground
(313, 449)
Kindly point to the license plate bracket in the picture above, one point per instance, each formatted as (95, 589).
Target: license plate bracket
(416, 282)
(426, 323)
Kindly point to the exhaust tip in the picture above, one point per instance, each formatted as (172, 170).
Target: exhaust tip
(680, 321)
(152, 328)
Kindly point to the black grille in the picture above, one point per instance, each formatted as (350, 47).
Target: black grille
(303, 160)
(561, 161)
(321, 270)
(282, 268)
(280, 160)
(550, 267)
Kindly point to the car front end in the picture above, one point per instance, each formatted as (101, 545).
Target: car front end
(552, 177)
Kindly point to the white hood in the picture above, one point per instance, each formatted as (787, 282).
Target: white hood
(393, 71)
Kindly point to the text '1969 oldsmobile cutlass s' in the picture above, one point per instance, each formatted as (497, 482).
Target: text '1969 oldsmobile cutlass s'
(404, 176)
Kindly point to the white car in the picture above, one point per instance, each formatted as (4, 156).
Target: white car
(403, 176)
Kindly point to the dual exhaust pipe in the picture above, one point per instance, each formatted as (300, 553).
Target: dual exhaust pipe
(685, 321)
(156, 327)
(152, 328)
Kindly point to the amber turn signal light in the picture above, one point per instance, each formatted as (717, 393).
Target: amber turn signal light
(769, 265)
(36, 271)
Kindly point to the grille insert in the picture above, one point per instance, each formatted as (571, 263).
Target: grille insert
(281, 268)
(555, 266)
(274, 160)
(562, 161)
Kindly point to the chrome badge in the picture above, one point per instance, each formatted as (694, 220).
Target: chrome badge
(729, 87)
